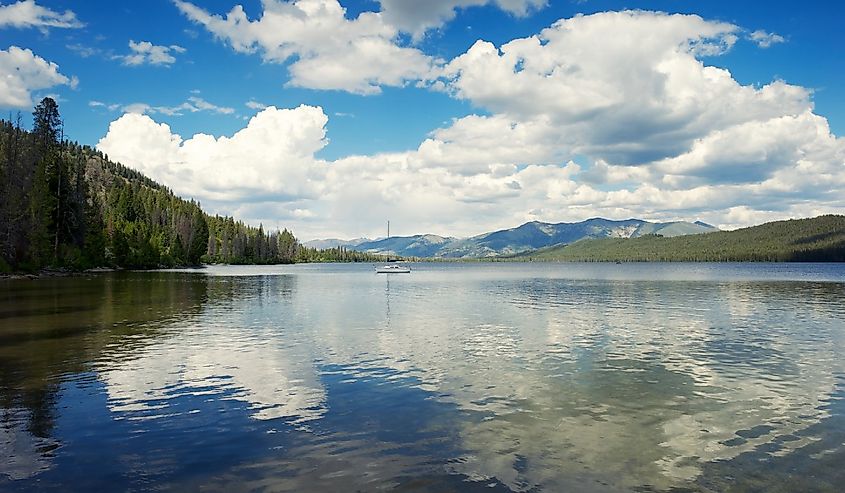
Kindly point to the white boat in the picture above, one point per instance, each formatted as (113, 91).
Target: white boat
(392, 268)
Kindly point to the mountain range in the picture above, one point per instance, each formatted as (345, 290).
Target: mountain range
(817, 239)
(527, 237)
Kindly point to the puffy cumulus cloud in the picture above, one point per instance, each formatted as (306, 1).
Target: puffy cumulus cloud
(271, 159)
(664, 133)
(144, 52)
(754, 151)
(611, 115)
(367, 190)
(377, 62)
(322, 41)
(489, 144)
(626, 87)
(27, 13)
(601, 172)
(418, 17)
(22, 71)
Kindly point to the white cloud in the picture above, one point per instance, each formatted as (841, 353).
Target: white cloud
(643, 95)
(144, 52)
(615, 68)
(27, 13)
(481, 144)
(321, 41)
(83, 50)
(613, 115)
(255, 105)
(752, 151)
(764, 39)
(22, 71)
(272, 158)
(194, 104)
(136, 108)
(418, 17)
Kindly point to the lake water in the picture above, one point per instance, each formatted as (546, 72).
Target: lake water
(456, 377)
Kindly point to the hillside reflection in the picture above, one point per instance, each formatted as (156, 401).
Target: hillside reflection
(54, 329)
(339, 379)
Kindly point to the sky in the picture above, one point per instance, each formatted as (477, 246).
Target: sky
(450, 117)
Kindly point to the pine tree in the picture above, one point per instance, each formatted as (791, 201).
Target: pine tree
(199, 237)
(46, 124)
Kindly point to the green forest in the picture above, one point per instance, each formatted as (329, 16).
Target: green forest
(820, 239)
(67, 206)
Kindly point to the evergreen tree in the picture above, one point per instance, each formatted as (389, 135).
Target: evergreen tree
(66, 205)
(199, 237)
(46, 124)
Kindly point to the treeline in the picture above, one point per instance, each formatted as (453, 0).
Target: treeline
(819, 239)
(232, 242)
(63, 205)
(337, 254)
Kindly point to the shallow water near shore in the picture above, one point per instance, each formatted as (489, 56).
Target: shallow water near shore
(456, 377)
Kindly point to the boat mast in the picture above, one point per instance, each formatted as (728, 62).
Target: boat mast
(388, 229)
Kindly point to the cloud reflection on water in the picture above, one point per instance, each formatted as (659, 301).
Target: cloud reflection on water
(533, 380)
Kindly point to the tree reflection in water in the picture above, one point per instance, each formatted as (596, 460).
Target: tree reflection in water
(453, 378)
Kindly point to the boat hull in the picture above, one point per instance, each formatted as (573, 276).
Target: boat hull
(393, 269)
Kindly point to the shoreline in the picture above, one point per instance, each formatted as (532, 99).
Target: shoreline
(52, 273)
(46, 273)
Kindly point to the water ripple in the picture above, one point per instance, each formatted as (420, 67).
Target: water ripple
(456, 378)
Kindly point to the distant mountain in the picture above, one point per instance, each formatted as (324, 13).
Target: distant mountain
(820, 239)
(529, 236)
(334, 243)
(408, 246)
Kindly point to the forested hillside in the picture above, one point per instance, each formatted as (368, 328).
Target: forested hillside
(819, 239)
(63, 205)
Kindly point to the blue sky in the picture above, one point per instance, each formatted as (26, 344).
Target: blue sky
(393, 111)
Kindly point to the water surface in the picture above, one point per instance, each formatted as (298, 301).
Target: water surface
(457, 377)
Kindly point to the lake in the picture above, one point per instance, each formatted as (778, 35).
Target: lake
(456, 377)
